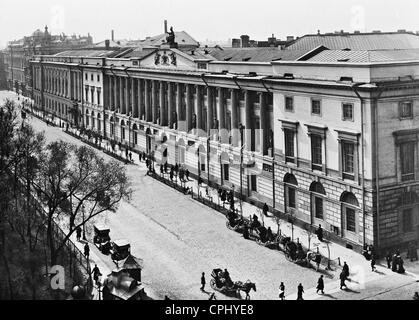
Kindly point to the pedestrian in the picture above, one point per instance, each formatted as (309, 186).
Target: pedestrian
(96, 273)
(86, 250)
(318, 259)
(171, 175)
(130, 156)
(78, 233)
(300, 291)
(320, 285)
(161, 170)
(165, 167)
(203, 281)
(282, 291)
(373, 268)
(187, 174)
(176, 168)
(388, 259)
(394, 263)
(319, 233)
(401, 268)
(416, 296)
(342, 278)
(345, 270)
(265, 209)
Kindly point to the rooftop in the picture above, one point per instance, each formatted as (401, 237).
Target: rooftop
(366, 56)
(256, 54)
(358, 41)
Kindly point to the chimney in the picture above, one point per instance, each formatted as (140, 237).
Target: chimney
(235, 43)
(290, 38)
(245, 41)
(107, 44)
(165, 26)
(113, 35)
(401, 31)
(357, 32)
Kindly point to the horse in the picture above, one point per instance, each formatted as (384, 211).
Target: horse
(245, 287)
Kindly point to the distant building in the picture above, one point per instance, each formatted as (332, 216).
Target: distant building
(245, 42)
(3, 80)
(19, 52)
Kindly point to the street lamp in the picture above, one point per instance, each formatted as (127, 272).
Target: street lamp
(84, 229)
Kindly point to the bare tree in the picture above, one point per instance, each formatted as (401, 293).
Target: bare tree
(76, 185)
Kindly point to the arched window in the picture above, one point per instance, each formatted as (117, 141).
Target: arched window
(290, 191)
(350, 207)
(122, 130)
(317, 194)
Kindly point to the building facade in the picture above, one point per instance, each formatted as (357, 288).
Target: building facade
(19, 52)
(327, 137)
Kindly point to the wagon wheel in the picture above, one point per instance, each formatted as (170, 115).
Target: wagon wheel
(213, 285)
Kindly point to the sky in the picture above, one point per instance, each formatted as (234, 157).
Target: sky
(204, 19)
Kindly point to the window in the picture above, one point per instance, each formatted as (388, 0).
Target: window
(316, 152)
(407, 220)
(98, 98)
(318, 207)
(348, 112)
(289, 104)
(226, 172)
(289, 145)
(91, 77)
(112, 129)
(202, 65)
(85, 76)
(406, 110)
(407, 160)
(350, 220)
(135, 138)
(348, 156)
(253, 183)
(98, 78)
(315, 107)
(123, 133)
(291, 197)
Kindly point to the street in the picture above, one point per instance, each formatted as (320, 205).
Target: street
(178, 239)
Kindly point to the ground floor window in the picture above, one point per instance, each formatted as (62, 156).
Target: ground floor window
(350, 220)
(112, 129)
(318, 207)
(135, 138)
(253, 183)
(290, 191)
(123, 133)
(226, 171)
(407, 220)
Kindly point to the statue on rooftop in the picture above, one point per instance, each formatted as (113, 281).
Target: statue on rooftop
(171, 37)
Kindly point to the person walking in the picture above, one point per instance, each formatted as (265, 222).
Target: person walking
(345, 270)
(265, 209)
(300, 291)
(78, 233)
(187, 174)
(282, 291)
(373, 268)
(320, 285)
(96, 273)
(130, 156)
(342, 278)
(203, 281)
(86, 250)
(319, 233)
(388, 259)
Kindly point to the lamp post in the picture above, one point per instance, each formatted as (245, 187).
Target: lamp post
(241, 128)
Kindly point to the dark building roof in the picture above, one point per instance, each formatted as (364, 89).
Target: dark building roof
(87, 53)
(256, 54)
(366, 56)
(358, 41)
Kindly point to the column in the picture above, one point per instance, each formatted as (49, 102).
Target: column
(198, 108)
(115, 93)
(170, 104)
(140, 99)
(154, 100)
(147, 101)
(179, 106)
(189, 107)
(110, 92)
(209, 109)
(126, 97)
(220, 107)
(234, 118)
(262, 121)
(134, 100)
(248, 120)
(163, 107)
(121, 95)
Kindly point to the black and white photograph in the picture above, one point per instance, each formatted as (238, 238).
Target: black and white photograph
(222, 152)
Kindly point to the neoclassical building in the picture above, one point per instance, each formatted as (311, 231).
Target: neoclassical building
(329, 136)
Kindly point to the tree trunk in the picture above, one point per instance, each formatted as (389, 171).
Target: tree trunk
(9, 278)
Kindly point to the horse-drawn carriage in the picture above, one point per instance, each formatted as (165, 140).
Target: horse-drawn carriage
(121, 249)
(101, 239)
(222, 282)
(296, 253)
